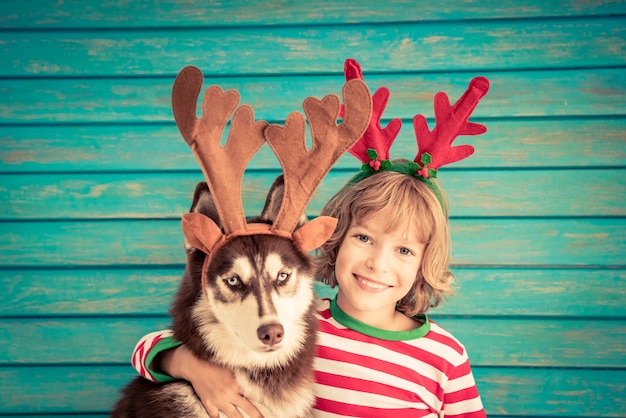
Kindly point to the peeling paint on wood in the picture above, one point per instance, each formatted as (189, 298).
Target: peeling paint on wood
(94, 177)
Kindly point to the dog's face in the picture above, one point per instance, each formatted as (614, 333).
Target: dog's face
(258, 291)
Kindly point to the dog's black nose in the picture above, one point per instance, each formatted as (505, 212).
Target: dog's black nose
(270, 334)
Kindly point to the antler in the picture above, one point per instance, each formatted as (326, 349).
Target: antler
(375, 137)
(435, 147)
(224, 166)
(303, 169)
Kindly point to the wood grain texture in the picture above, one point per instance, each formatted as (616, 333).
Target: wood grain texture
(511, 143)
(94, 177)
(500, 242)
(476, 193)
(562, 93)
(535, 342)
(88, 292)
(455, 46)
(484, 292)
(506, 391)
(76, 14)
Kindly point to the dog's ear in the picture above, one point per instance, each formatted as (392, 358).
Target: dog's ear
(274, 200)
(203, 203)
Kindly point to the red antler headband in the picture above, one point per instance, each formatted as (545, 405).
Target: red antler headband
(434, 147)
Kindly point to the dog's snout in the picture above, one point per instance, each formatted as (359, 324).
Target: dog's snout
(270, 334)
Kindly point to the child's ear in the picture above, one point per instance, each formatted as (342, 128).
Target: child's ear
(274, 201)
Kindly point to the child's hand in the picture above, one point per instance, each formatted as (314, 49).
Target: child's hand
(215, 386)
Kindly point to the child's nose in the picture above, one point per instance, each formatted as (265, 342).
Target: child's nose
(378, 261)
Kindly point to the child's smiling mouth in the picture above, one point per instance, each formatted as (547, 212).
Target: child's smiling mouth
(370, 285)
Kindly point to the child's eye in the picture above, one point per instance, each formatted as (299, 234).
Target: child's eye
(405, 251)
(363, 238)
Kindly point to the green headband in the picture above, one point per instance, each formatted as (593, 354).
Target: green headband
(410, 168)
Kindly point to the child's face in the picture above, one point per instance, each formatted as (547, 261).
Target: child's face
(375, 269)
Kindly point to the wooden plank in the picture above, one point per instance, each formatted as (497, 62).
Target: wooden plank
(84, 292)
(510, 195)
(164, 195)
(477, 242)
(532, 292)
(437, 46)
(596, 293)
(482, 292)
(597, 92)
(562, 292)
(577, 342)
(199, 13)
(552, 392)
(512, 342)
(545, 242)
(169, 195)
(75, 340)
(515, 143)
(505, 391)
(61, 389)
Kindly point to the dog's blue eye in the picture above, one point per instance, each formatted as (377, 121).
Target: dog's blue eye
(233, 281)
(282, 277)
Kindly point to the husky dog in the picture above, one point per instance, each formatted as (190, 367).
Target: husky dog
(246, 299)
(256, 316)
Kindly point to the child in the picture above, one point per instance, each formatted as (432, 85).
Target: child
(379, 354)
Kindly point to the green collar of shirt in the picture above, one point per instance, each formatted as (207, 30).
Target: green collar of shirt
(383, 334)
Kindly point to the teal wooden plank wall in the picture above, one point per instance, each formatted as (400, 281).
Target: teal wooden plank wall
(94, 177)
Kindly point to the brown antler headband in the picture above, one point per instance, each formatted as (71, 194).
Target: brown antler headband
(224, 166)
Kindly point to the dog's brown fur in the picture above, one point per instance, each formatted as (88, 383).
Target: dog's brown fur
(280, 385)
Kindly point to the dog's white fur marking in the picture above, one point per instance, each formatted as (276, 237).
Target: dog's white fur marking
(230, 329)
(243, 268)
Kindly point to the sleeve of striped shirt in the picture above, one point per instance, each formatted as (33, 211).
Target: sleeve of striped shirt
(147, 349)
(461, 398)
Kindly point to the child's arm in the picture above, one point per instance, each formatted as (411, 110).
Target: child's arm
(461, 398)
(160, 358)
(149, 347)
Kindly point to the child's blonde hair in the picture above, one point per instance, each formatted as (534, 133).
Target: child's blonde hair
(417, 209)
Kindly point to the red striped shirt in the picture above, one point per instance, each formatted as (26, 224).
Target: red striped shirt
(360, 375)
